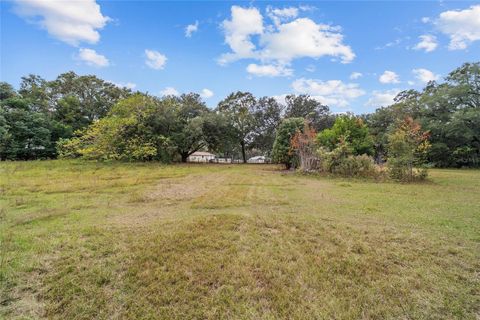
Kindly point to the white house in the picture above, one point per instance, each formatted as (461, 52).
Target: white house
(201, 156)
(257, 159)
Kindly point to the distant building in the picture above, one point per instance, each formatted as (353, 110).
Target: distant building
(257, 159)
(201, 156)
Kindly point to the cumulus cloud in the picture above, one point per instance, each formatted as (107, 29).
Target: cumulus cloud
(155, 59)
(244, 23)
(389, 77)
(425, 75)
(92, 58)
(428, 43)
(382, 98)
(462, 26)
(269, 70)
(190, 29)
(278, 15)
(72, 22)
(305, 38)
(334, 93)
(287, 39)
(206, 93)
(169, 91)
(355, 75)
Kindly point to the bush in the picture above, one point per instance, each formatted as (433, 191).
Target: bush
(351, 129)
(283, 151)
(407, 149)
(341, 161)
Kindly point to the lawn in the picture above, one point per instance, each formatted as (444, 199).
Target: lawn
(83, 240)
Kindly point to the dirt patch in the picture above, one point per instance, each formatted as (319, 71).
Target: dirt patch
(186, 188)
(167, 198)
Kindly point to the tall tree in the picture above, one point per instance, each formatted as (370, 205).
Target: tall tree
(283, 150)
(238, 108)
(304, 106)
(25, 134)
(188, 136)
(268, 114)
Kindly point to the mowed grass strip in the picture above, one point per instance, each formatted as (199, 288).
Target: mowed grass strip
(87, 240)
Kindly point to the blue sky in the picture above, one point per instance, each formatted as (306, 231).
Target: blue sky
(353, 56)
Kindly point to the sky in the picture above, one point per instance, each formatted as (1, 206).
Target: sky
(352, 56)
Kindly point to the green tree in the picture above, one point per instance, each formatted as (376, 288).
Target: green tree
(6, 91)
(407, 148)
(353, 130)
(126, 133)
(283, 150)
(238, 108)
(189, 133)
(268, 114)
(304, 106)
(25, 134)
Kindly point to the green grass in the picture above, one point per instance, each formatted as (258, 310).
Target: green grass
(82, 240)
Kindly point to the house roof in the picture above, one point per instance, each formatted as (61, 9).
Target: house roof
(202, 153)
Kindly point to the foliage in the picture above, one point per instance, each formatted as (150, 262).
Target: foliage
(283, 151)
(342, 161)
(238, 109)
(350, 129)
(123, 135)
(42, 114)
(407, 148)
(268, 114)
(25, 134)
(450, 111)
(304, 106)
(303, 142)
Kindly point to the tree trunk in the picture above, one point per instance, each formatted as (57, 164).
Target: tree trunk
(243, 152)
(184, 157)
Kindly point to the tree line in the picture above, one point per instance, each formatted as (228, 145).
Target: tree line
(87, 117)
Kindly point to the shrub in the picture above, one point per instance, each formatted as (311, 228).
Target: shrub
(407, 149)
(351, 129)
(341, 161)
(283, 151)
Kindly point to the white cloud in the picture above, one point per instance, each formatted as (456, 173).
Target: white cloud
(389, 77)
(304, 38)
(382, 98)
(279, 15)
(206, 93)
(69, 21)
(426, 19)
(244, 23)
(169, 91)
(128, 85)
(462, 26)
(425, 75)
(92, 58)
(155, 59)
(283, 41)
(190, 29)
(334, 93)
(269, 70)
(394, 43)
(427, 43)
(355, 75)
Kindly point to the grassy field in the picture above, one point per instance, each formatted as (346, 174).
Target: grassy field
(85, 240)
